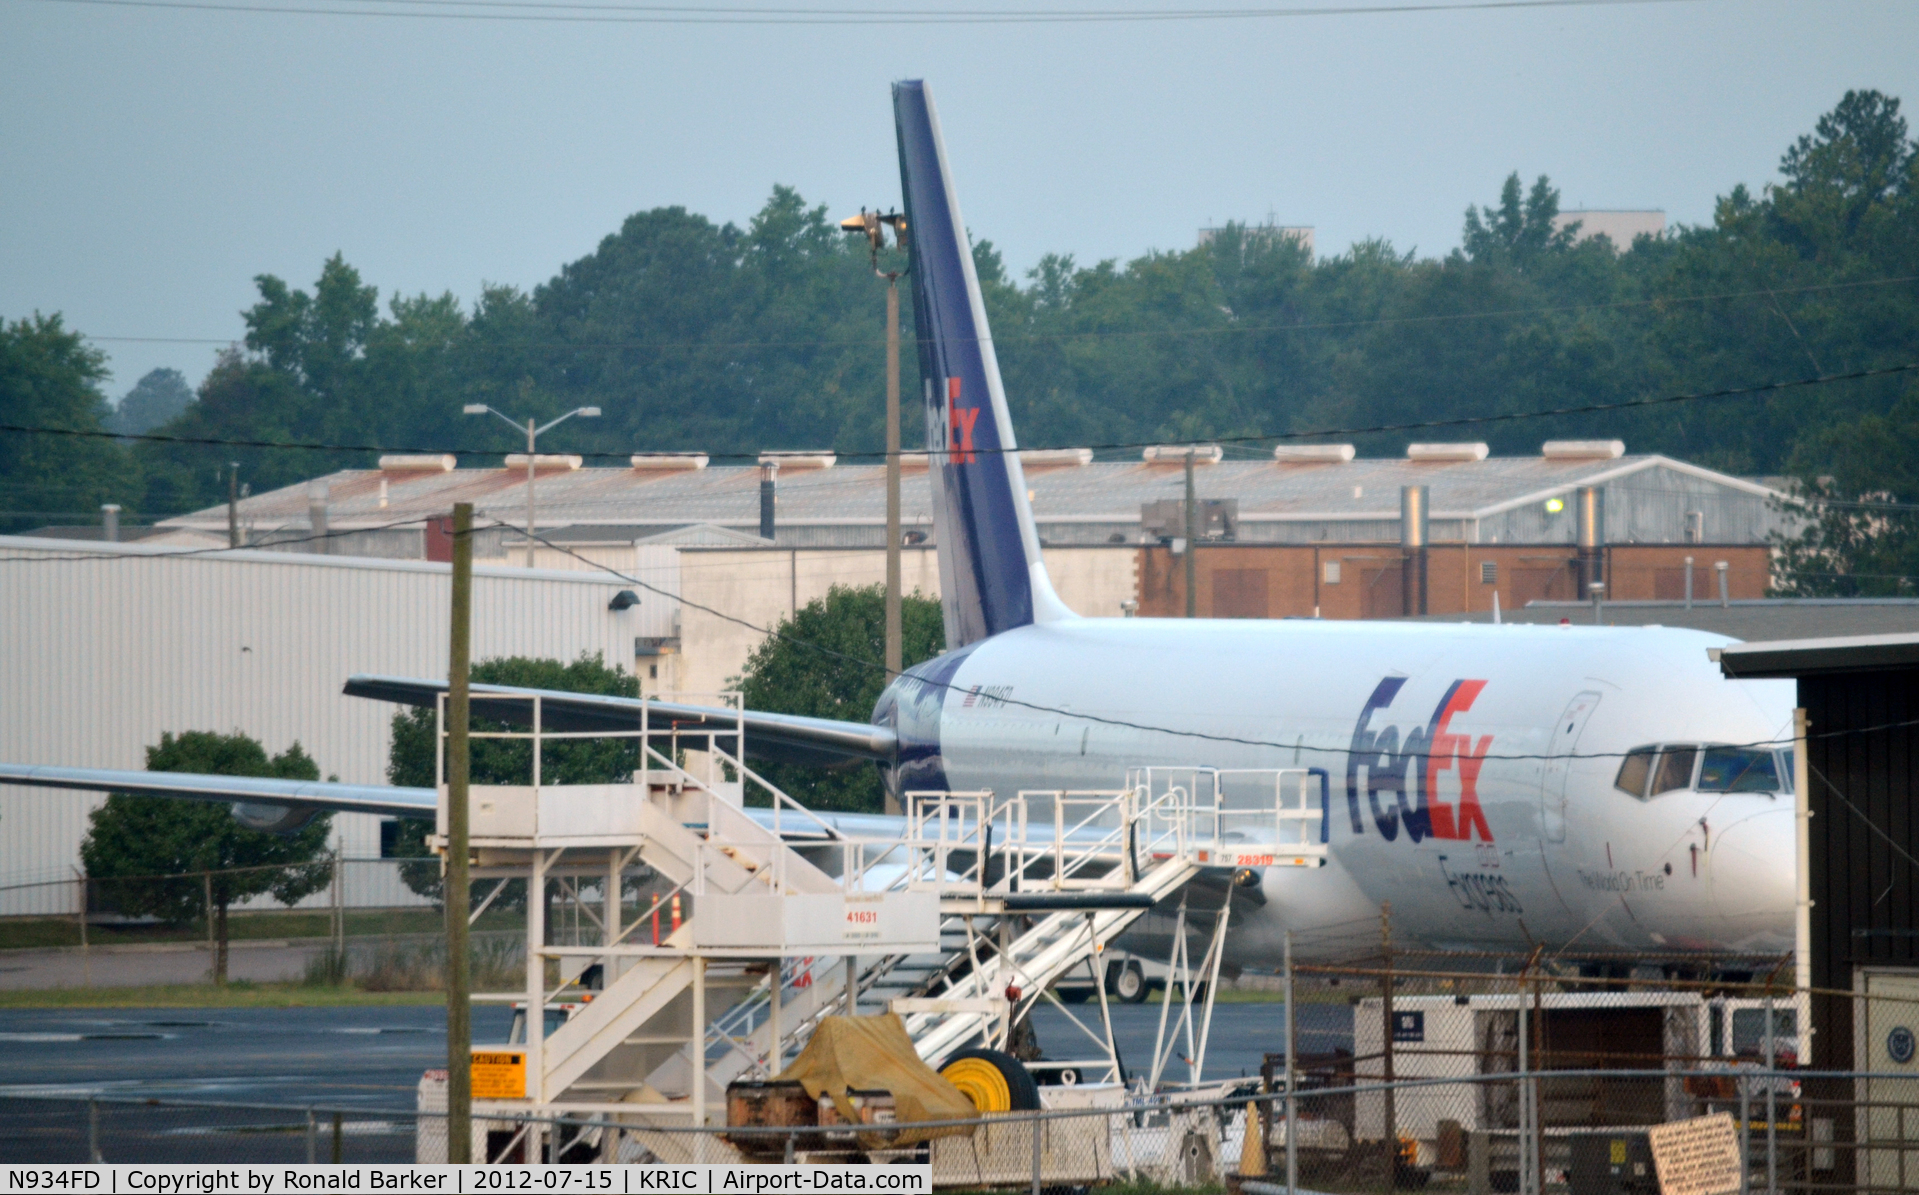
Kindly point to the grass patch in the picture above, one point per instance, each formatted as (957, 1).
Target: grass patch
(238, 994)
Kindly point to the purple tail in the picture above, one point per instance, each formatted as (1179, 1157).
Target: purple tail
(991, 576)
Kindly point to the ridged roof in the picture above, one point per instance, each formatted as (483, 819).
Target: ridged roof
(1099, 492)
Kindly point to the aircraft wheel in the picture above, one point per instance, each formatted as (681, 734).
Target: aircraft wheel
(994, 1080)
(1126, 982)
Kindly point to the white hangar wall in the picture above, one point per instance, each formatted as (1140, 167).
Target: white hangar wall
(761, 586)
(104, 647)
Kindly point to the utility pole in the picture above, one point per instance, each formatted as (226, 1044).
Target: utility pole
(1386, 1007)
(233, 504)
(1192, 540)
(459, 1011)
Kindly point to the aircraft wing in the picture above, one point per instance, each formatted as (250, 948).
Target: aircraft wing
(381, 799)
(782, 738)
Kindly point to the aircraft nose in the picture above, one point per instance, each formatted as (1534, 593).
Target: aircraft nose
(1752, 871)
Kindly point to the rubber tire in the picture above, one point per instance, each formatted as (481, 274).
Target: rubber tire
(1021, 1089)
(1119, 978)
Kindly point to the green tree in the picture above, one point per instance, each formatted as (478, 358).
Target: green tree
(138, 836)
(729, 339)
(826, 662)
(50, 377)
(1860, 535)
(156, 398)
(1515, 230)
(410, 759)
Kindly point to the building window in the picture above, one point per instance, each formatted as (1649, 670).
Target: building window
(1489, 572)
(652, 672)
(1332, 572)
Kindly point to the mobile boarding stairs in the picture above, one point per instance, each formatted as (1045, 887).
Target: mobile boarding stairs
(691, 940)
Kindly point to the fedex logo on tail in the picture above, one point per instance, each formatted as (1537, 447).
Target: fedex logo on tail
(954, 424)
(1402, 779)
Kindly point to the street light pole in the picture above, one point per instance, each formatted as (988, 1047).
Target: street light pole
(872, 226)
(533, 432)
(895, 648)
(1192, 540)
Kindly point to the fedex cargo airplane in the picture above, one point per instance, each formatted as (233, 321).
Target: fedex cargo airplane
(1504, 787)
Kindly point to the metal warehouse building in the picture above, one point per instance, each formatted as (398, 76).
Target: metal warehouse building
(1303, 531)
(1295, 495)
(104, 647)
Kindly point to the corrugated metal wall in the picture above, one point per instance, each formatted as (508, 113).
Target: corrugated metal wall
(104, 648)
(1650, 506)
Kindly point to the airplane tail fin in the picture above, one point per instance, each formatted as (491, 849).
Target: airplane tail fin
(991, 576)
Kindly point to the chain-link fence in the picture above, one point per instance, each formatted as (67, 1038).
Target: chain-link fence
(374, 922)
(1475, 1072)
(1471, 1134)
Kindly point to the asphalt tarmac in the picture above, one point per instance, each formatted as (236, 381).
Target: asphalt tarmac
(372, 1057)
(276, 1063)
(334, 1058)
(1238, 1041)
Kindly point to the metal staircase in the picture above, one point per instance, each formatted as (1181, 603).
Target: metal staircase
(691, 943)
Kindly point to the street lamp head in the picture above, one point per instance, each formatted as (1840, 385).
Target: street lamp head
(589, 412)
(871, 226)
(474, 408)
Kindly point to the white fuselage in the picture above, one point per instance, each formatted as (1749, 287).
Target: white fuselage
(1561, 855)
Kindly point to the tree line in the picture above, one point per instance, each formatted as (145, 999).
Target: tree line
(696, 335)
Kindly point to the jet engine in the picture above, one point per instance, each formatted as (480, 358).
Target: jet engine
(273, 819)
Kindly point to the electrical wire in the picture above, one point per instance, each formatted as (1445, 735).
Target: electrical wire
(176, 553)
(648, 15)
(1321, 433)
(1861, 814)
(1123, 334)
(871, 665)
(1082, 716)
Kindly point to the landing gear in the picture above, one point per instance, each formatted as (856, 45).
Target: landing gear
(1126, 982)
(994, 1080)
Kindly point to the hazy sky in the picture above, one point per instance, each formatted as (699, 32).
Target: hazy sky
(152, 161)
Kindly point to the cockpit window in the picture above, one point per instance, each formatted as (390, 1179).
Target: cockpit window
(1634, 770)
(1738, 770)
(1674, 769)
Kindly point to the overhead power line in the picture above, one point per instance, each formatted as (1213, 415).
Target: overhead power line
(1120, 723)
(1659, 301)
(1268, 437)
(877, 666)
(273, 545)
(618, 14)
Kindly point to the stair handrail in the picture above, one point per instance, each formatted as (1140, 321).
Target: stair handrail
(781, 800)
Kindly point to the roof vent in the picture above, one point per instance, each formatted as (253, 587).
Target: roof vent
(799, 460)
(669, 461)
(557, 462)
(417, 463)
(1583, 450)
(1176, 454)
(1040, 458)
(1304, 454)
(1446, 452)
